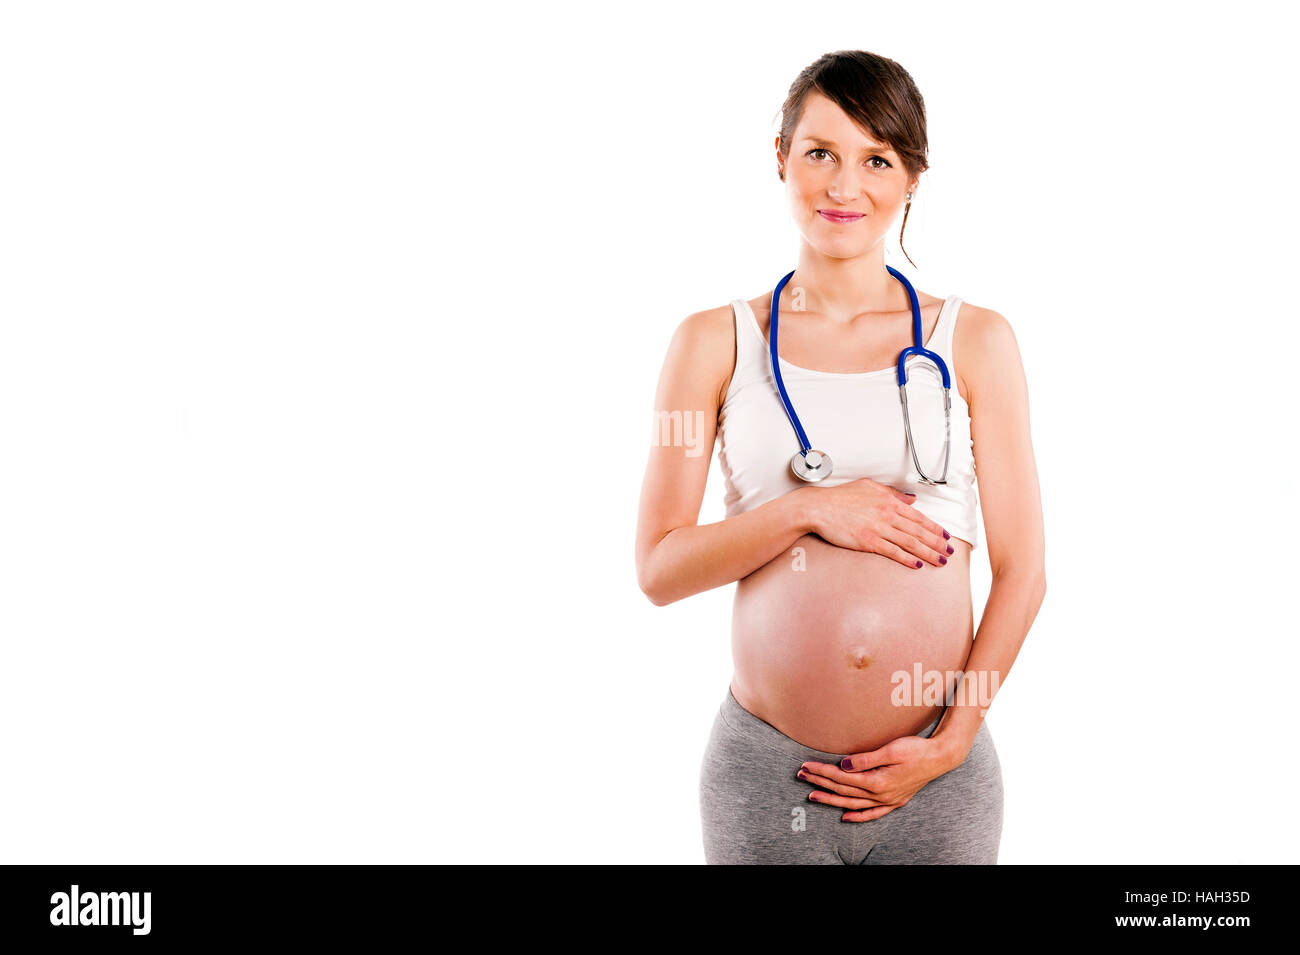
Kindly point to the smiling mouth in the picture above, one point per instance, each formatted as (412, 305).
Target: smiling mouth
(839, 216)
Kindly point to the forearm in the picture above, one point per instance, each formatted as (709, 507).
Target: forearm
(690, 560)
(1014, 599)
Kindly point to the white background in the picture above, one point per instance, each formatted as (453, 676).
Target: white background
(330, 338)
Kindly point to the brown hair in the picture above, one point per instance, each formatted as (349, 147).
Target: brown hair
(878, 94)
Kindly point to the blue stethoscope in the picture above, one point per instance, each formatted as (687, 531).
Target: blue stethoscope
(812, 465)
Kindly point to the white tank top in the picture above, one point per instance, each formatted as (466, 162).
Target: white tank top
(856, 418)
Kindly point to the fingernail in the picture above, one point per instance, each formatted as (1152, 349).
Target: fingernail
(846, 764)
(942, 560)
(918, 563)
(801, 774)
(946, 535)
(910, 493)
(950, 548)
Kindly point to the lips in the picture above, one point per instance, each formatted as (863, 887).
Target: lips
(839, 216)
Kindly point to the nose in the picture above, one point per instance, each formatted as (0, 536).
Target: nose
(845, 185)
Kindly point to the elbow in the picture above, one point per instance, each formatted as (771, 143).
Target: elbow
(652, 595)
(655, 591)
(650, 578)
(656, 598)
(650, 587)
(1033, 579)
(1040, 587)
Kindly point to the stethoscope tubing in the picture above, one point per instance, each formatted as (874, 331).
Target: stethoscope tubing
(916, 348)
(804, 444)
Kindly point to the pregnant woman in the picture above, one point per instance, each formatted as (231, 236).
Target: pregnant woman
(853, 730)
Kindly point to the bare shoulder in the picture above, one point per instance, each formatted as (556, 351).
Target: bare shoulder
(704, 348)
(984, 346)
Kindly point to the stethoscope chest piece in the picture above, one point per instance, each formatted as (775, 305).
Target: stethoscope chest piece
(811, 465)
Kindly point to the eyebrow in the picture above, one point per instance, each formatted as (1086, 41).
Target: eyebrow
(826, 142)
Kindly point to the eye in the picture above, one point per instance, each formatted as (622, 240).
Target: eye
(818, 150)
(882, 159)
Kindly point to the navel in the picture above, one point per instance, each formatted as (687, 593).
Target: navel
(859, 659)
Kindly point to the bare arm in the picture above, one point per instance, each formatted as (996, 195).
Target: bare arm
(1013, 518)
(676, 557)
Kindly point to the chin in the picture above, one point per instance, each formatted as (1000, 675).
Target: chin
(840, 250)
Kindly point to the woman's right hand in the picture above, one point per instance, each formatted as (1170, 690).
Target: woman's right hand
(873, 517)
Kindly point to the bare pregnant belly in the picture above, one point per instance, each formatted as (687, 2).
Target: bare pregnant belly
(817, 640)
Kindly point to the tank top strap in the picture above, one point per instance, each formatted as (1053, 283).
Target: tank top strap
(751, 346)
(944, 329)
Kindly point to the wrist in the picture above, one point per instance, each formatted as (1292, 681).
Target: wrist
(804, 509)
(954, 746)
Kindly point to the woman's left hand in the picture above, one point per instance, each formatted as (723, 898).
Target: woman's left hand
(882, 780)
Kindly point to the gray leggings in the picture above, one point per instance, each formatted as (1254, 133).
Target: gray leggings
(755, 810)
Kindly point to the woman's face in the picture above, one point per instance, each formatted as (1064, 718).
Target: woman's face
(834, 167)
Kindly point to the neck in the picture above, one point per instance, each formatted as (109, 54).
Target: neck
(841, 289)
